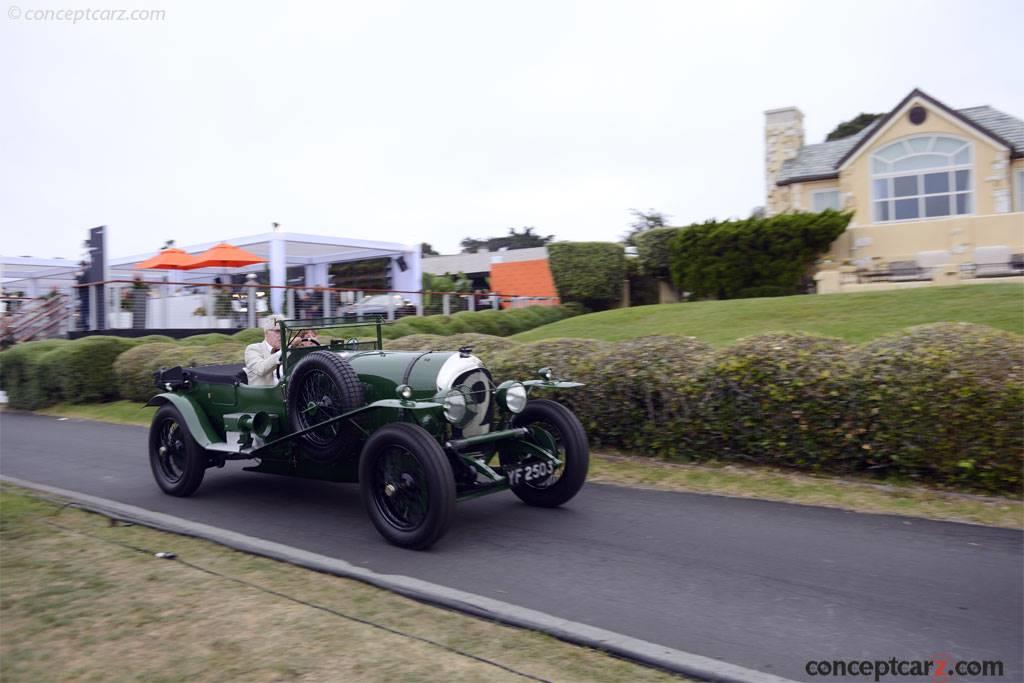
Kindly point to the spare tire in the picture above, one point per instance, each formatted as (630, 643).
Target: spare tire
(323, 385)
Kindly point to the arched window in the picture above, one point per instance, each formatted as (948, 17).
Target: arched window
(921, 177)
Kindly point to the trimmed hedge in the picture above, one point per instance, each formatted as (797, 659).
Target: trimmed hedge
(943, 402)
(134, 368)
(499, 323)
(86, 368)
(210, 338)
(779, 399)
(634, 398)
(20, 374)
(589, 273)
(484, 345)
(938, 403)
(248, 336)
(752, 257)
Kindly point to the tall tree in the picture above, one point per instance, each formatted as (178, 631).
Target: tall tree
(853, 126)
(642, 222)
(513, 240)
(427, 250)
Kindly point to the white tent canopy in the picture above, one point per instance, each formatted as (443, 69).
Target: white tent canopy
(282, 250)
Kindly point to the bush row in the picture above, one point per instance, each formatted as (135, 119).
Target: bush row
(499, 323)
(939, 403)
(101, 368)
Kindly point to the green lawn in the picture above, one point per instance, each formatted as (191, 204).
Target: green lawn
(854, 317)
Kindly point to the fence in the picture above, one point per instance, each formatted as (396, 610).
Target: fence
(136, 304)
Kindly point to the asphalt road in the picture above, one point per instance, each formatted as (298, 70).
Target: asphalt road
(764, 585)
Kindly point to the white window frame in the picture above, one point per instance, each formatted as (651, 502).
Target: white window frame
(1018, 177)
(831, 190)
(950, 168)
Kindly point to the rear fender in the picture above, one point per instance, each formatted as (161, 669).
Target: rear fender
(195, 419)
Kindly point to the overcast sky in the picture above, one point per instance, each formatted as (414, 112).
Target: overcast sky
(433, 121)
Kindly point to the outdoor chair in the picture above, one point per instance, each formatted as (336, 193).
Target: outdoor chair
(1017, 264)
(993, 261)
(929, 261)
(904, 271)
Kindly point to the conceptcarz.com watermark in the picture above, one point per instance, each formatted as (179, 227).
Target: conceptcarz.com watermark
(940, 668)
(80, 15)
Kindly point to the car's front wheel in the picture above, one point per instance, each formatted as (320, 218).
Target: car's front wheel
(407, 485)
(556, 429)
(178, 462)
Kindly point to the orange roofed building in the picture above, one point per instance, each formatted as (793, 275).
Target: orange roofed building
(524, 278)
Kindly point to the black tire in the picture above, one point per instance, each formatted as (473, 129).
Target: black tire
(322, 385)
(573, 451)
(416, 512)
(178, 462)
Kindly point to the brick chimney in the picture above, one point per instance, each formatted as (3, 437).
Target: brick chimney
(783, 138)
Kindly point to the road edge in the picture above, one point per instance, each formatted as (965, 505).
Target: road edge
(644, 652)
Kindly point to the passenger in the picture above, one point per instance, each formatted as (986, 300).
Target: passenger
(263, 359)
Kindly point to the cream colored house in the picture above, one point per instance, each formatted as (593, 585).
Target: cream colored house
(926, 184)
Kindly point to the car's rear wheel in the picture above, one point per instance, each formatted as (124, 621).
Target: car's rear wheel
(407, 485)
(323, 385)
(178, 462)
(555, 428)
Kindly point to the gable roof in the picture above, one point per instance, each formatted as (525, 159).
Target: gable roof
(822, 161)
(523, 278)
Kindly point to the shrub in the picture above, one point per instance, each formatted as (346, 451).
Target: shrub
(654, 251)
(477, 324)
(503, 322)
(778, 399)
(944, 402)
(634, 399)
(19, 374)
(154, 339)
(485, 346)
(723, 259)
(417, 342)
(86, 368)
(568, 358)
(426, 324)
(210, 338)
(248, 336)
(134, 368)
(590, 273)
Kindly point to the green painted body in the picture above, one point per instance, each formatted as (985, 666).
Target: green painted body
(216, 413)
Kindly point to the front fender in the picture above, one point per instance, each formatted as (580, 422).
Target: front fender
(551, 384)
(195, 419)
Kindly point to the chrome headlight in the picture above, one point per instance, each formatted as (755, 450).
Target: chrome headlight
(512, 396)
(455, 407)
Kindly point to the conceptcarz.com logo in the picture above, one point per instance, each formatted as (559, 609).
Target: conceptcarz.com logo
(941, 668)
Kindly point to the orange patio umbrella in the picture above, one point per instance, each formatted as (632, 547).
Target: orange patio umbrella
(226, 256)
(168, 259)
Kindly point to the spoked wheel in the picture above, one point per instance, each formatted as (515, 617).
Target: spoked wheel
(178, 462)
(323, 385)
(407, 485)
(556, 429)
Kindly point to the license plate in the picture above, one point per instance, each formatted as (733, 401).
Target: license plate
(529, 473)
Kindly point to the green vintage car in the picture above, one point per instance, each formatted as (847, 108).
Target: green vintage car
(417, 430)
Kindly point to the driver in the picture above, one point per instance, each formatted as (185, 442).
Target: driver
(262, 359)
